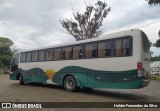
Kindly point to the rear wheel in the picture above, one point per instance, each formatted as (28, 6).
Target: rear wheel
(69, 83)
(21, 81)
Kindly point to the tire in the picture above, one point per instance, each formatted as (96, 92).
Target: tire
(69, 83)
(21, 81)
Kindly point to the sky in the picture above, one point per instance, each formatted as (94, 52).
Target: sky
(36, 23)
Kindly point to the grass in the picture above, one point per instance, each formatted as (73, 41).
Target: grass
(155, 77)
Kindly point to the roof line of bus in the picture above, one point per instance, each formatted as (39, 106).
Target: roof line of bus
(108, 36)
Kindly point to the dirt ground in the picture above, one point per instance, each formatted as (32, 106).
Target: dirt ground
(11, 91)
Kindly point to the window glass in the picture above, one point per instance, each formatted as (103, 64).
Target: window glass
(28, 57)
(23, 57)
(126, 47)
(34, 56)
(49, 55)
(57, 54)
(118, 48)
(90, 50)
(67, 53)
(41, 55)
(77, 52)
(146, 43)
(101, 49)
(104, 49)
(109, 48)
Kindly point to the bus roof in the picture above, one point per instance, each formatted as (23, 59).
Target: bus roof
(108, 36)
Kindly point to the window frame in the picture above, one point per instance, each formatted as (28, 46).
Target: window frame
(37, 56)
(45, 59)
(94, 42)
(107, 40)
(81, 46)
(24, 57)
(62, 52)
(82, 50)
(30, 57)
(112, 46)
(130, 45)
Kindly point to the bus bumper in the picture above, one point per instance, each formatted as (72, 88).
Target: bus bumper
(145, 82)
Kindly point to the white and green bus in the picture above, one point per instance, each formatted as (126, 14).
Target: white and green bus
(119, 60)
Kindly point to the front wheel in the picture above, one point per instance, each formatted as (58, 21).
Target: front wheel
(69, 83)
(21, 81)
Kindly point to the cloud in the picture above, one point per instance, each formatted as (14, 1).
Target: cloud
(35, 23)
(127, 13)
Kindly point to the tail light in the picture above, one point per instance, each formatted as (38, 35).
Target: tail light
(139, 68)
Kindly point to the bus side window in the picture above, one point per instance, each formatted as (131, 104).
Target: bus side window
(104, 49)
(57, 54)
(101, 49)
(28, 57)
(23, 57)
(90, 50)
(118, 47)
(77, 52)
(67, 53)
(126, 47)
(41, 55)
(34, 56)
(108, 49)
(49, 55)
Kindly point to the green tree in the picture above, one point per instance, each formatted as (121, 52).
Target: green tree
(156, 58)
(157, 44)
(154, 2)
(5, 52)
(87, 24)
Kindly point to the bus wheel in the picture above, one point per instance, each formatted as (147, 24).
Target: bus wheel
(69, 83)
(21, 82)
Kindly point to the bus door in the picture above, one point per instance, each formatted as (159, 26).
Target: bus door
(14, 62)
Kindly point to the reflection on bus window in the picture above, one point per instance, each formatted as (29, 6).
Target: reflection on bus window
(126, 47)
(118, 48)
(90, 50)
(28, 57)
(57, 54)
(23, 57)
(104, 49)
(34, 56)
(77, 52)
(49, 55)
(41, 55)
(67, 53)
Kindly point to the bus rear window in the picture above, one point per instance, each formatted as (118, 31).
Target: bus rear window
(145, 42)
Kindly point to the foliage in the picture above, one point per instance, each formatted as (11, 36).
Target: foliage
(5, 61)
(157, 44)
(87, 24)
(5, 42)
(153, 2)
(5, 52)
(156, 58)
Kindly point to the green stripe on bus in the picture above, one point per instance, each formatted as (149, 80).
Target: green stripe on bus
(84, 77)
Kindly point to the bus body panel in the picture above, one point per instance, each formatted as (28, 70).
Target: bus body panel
(111, 72)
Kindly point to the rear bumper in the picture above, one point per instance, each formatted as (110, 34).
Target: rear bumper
(145, 82)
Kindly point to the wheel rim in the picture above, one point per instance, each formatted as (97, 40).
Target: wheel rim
(69, 84)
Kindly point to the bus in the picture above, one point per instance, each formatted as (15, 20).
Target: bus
(119, 61)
